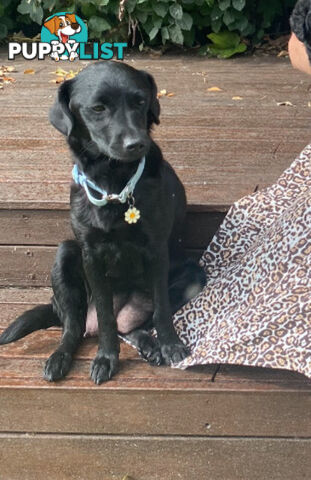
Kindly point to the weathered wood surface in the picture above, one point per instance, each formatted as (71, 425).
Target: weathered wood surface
(50, 227)
(31, 265)
(26, 265)
(156, 458)
(241, 403)
(147, 411)
(234, 401)
(221, 148)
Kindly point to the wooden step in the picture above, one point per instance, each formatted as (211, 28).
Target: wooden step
(97, 457)
(29, 238)
(151, 422)
(230, 393)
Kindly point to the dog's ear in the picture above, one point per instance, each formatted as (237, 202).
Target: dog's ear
(71, 17)
(154, 108)
(51, 25)
(60, 115)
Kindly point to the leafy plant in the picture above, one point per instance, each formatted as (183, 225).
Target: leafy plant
(188, 22)
(225, 44)
(159, 22)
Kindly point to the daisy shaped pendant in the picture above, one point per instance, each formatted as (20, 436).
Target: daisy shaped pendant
(132, 215)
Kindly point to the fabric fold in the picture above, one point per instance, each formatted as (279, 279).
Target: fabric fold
(256, 306)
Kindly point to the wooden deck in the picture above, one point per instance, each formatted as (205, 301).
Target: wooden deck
(226, 423)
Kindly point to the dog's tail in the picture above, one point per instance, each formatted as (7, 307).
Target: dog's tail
(37, 318)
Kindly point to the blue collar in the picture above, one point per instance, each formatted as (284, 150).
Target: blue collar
(81, 179)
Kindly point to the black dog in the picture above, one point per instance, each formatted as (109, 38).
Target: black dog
(300, 22)
(133, 273)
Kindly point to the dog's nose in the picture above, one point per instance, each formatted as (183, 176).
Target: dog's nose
(75, 26)
(133, 145)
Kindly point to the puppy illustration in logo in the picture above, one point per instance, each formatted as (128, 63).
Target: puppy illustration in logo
(63, 26)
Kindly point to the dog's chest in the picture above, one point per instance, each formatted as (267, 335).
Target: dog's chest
(123, 248)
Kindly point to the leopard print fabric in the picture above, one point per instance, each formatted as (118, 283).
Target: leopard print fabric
(256, 306)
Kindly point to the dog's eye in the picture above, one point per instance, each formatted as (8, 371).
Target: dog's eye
(61, 24)
(99, 108)
(141, 101)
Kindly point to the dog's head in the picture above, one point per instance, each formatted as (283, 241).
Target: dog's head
(63, 26)
(109, 108)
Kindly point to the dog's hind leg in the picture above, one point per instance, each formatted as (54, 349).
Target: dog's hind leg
(70, 303)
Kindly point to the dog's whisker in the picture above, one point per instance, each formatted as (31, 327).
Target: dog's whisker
(87, 146)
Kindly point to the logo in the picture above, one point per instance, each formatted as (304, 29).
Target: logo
(64, 31)
(64, 37)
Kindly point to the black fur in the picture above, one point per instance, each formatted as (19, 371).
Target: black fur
(42, 316)
(106, 113)
(300, 22)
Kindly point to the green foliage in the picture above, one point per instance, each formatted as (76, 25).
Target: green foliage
(225, 44)
(218, 25)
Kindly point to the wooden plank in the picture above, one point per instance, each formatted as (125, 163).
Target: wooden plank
(56, 195)
(209, 104)
(247, 377)
(28, 403)
(250, 88)
(224, 407)
(152, 458)
(34, 227)
(133, 375)
(218, 198)
(199, 82)
(185, 148)
(31, 266)
(229, 376)
(187, 82)
(28, 266)
(195, 121)
(133, 412)
(25, 370)
(222, 116)
(40, 128)
(24, 296)
(41, 344)
(202, 167)
(50, 227)
(167, 64)
(166, 71)
(29, 184)
(30, 195)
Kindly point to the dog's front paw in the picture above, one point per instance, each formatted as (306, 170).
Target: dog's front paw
(103, 368)
(174, 352)
(149, 349)
(57, 366)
